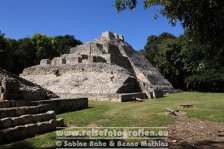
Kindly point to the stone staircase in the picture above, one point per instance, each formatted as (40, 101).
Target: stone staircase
(20, 120)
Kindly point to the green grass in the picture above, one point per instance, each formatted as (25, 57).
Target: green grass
(207, 106)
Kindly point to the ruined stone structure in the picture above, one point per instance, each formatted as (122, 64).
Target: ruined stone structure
(13, 87)
(107, 68)
(27, 109)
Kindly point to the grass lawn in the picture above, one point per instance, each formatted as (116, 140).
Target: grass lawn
(207, 106)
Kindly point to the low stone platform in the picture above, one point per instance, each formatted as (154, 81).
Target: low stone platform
(65, 105)
(132, 96)
(123, 97)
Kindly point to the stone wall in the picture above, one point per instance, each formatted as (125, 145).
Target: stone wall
(122, 97)
(88, 49)
(110, 49)
(62, 105)
(45, 62)
(83, 82)
(58, 61)
(73, 60)
(111, 36)
(94, 67)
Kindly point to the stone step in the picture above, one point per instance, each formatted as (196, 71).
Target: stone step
(13, 103)
(18, 111)
(30, 130)
(26, 119)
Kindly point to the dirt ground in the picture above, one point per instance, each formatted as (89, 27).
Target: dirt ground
(191, 133)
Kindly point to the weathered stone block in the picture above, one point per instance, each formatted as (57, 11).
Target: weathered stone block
(20, 103)
(30, 130)
(26, 119)
(20, 111)
(108, 35)
(1, 90)
(121, 37)
(7, 112)
(16, 121)
(58, 61)
(54, 123)
(12, 103)
(3, 96)
(45, 62)
(5, 122)
(44, 127)
(116, 35)
(10, 85)
(44, 116)
(7, 104)
(1, 137)
(90, 59)
(73, 60)
(60, 122)
(52, 114)
(9, 134)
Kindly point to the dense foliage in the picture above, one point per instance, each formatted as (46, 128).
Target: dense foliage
(15, 55)
(183, 62)
(204, 19)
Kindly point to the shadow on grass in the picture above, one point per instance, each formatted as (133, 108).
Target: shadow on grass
(18, 145)
(210, 144)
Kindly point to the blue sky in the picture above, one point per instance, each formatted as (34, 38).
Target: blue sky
(85, 19)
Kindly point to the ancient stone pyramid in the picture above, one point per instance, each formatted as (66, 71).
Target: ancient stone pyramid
(104, 69)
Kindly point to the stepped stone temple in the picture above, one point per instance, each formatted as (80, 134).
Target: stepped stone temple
(106, 69)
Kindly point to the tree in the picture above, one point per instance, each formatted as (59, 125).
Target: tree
(24, 55)
(164, 52)
(6, 54)
(153, 43)
(204, 20)
(66, 42)
(46, 47)
(182, 61)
